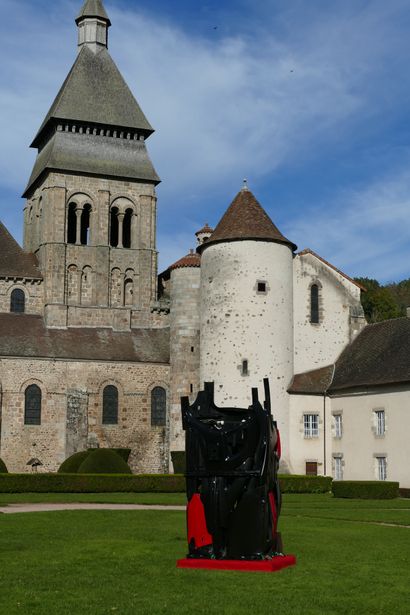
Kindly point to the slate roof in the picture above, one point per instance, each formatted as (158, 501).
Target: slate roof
(95, 92)
(93, 8)
(378, 356)
(244, 219)
(94, 155)
(190, 260)
(14, 262)
(23, 335)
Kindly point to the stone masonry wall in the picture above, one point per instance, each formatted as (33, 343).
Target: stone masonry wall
(33, 290)
(71, 389)
(96, 274)
(184, 350)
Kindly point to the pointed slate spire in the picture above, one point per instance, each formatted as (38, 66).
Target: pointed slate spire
(93, 8)
(246, 219)
(93, 23)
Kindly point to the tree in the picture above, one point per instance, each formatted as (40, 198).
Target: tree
(378, 302)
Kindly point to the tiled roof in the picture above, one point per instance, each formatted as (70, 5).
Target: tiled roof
(244, 219)
(315, 382)
(378, 356)
(23, 335)
(309, 251)
(205, 229)
(14, 262)
(190, 260)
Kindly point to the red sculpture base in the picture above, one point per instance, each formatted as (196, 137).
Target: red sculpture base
(265, 565)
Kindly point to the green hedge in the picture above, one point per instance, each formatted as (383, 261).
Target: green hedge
(91, 483)
(365, 490)
(137, 483)
(104, 461)
(293, 483)
(3, 467)
(179, 461)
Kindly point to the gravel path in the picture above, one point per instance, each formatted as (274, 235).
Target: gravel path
(30, 508)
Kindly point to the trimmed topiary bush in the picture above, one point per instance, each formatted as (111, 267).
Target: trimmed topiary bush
(365, 489)
(179, 461)
(293, 483)
(71, 464)
(91, 483)
(123, 452)
(3, 467)
(104, 461)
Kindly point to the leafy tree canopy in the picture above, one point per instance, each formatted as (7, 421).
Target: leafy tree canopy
(384, 302)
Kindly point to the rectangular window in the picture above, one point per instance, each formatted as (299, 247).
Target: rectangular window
(311, 425)
(245, 368)
(380, 422)
(311, 468)
(338, 468)
(338, 425)
(381, 468)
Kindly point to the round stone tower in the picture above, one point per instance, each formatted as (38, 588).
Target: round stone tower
(247, 309)
(184, 339)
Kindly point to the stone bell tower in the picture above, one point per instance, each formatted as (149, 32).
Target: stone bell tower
(91, 203)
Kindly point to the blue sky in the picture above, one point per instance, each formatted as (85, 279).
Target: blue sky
(307, 99)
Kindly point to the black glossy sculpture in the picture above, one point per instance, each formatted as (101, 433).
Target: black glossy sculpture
(234, 500)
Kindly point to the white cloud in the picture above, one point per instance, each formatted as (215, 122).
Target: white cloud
(246, 103)
(364, 232)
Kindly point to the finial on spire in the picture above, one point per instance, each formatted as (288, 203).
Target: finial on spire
(93, 23)
(245, 185)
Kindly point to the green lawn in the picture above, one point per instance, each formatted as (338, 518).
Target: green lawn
(97, 563)
(104, 498)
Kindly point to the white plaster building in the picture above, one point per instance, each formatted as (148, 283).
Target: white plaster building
(340, 388)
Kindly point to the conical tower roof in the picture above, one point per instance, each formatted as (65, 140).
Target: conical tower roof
(245, 219)
(190, 260)
(93, 8)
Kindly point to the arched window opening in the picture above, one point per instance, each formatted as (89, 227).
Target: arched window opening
(110, 405)
(85, 225)
(126, 233)
(32, 405)
(116, 288)
(18, 301)
(314, 304)
(114, 228)
(86, 286)
(72, 223)
(72, 285)
(158, 407)
(128, 292)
